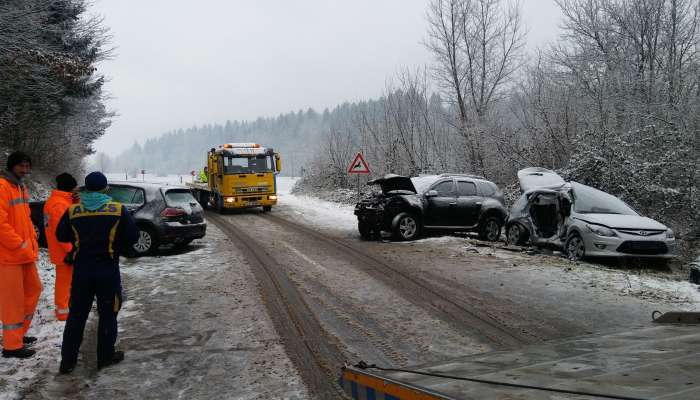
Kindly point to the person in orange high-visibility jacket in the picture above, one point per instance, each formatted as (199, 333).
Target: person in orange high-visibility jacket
(20, 286)
(61, 198)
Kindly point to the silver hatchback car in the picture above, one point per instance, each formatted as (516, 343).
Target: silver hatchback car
(582, 221)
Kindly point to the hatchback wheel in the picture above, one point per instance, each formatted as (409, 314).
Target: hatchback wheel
(407, 228)
(575, 247)
(516, 234)
(147, 243)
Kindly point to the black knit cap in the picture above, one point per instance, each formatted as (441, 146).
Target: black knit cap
(65, 182)
(95, 182)
(17, 158)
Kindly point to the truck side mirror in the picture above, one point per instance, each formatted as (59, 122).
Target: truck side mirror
(278, 163)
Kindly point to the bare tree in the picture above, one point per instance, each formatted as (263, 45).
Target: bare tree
(478, 45)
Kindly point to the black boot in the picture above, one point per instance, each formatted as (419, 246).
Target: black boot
(29, 340)
(66, 367)
(19, 353)
(117, 357)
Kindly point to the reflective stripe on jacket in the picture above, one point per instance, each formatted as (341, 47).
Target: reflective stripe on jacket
(97, 235)
(54, 208)
(18, 243)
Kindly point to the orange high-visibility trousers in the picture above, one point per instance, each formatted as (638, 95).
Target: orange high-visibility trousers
(61, 294)
(20, 289)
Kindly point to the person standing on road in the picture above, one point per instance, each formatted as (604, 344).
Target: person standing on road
(65, 194)
(20, 286)
(99, 230)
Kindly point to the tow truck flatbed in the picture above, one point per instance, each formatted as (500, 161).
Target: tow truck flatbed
(658, 362)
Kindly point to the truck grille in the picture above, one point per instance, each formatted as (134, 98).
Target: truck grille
(643, 248)
(255, 189)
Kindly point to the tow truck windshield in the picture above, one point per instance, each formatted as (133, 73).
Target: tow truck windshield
(247, 165)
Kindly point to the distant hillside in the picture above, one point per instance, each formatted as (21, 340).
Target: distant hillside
(295, 135)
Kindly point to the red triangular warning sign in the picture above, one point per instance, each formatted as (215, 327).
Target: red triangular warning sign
(358, 165)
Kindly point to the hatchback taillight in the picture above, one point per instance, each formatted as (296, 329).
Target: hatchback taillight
(172, 212)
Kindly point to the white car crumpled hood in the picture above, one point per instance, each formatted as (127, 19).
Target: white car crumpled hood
(622, 221)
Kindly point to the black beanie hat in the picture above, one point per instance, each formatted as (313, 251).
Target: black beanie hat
(65, 182)
(95, 182)
(17, 158)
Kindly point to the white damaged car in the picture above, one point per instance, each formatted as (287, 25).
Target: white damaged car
(582, 221)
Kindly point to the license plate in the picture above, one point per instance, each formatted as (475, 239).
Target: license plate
(253, 203)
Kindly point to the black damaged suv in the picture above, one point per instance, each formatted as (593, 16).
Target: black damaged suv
(450, 202)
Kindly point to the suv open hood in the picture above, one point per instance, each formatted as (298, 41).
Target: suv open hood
(539, 178)
(391, 183)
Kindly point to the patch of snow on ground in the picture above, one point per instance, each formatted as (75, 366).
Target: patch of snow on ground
(313, 211)
(14, 372)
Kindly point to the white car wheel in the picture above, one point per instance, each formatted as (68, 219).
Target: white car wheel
(575, 248)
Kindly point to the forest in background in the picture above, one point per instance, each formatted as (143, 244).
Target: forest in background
(614, 103)
(51, 98)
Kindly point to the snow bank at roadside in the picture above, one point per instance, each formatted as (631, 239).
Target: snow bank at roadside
(649, 286)
(313, 211)
(14, 373)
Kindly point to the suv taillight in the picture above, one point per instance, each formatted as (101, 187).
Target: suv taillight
(172, 212)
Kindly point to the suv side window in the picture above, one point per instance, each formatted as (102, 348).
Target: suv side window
(487, 189)
(444, 189)
(466, 189)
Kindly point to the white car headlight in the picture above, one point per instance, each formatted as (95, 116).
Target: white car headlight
(601, 230)
(670, 234)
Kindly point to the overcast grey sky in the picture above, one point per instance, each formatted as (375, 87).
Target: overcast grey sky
(183, 62)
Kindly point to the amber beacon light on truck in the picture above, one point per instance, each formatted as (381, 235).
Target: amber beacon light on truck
(239, 175)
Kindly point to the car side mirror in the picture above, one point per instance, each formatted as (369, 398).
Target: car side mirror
(431, 193)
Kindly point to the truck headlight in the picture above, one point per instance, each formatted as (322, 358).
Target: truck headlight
(273, 197)
(601, 230)
(670, 234)
(230, 199)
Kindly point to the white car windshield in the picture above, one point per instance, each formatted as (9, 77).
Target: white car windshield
(593, 201)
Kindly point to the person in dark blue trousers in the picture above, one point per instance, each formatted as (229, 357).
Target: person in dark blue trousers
(99, 229)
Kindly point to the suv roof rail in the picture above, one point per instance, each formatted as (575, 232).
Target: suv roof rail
(464, 176)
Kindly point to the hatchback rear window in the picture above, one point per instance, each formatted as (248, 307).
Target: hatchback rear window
(126, 195)
(175, 198)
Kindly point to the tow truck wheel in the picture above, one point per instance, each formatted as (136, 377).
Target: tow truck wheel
(219, 204)
(365, 230)
(267, 208)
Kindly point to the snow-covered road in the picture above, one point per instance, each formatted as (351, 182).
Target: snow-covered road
(195, 325)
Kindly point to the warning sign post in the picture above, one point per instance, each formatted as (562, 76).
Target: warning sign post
(358, 166)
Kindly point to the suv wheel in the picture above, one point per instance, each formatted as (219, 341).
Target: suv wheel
(407, 228)
(575, 247)
(147, 243)
(365, 230)
(490, 229)
(516, 234)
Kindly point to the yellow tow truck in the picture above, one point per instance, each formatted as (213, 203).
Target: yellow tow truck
(239, 175)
